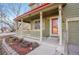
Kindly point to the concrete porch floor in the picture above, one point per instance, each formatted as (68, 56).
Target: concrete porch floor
(51, 40)
(47, 47)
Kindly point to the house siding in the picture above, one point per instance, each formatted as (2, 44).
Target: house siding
(71, 10)
(32, 34)
(46, 31)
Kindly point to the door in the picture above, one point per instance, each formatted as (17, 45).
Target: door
(73, 37)
(54, 26)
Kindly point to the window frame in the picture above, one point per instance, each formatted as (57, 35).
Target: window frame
(39, 28)
(34, 24)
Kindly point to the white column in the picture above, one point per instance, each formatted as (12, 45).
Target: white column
(17, 28)
(21, 28)
(31, 25)
(41, 22)
(60, 24)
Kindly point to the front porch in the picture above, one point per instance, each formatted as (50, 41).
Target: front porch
(43, 31)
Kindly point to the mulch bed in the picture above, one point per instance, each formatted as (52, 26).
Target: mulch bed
(20, 46)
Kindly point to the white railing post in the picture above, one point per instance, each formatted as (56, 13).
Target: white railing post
(17, 28)
(21, 28)
(41, 22)
(60, 24)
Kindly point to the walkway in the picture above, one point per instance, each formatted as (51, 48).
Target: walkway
(45, 48)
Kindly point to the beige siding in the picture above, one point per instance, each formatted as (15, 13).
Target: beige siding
(31, 33)
(71, 10)
(46, 31)
(73, 32)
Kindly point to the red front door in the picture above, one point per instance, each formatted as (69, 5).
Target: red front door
(54, 26)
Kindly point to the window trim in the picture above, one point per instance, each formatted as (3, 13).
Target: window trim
(34, 25)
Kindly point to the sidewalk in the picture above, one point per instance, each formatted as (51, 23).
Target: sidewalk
(43, 50)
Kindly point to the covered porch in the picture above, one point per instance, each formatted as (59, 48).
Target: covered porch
(40, 23)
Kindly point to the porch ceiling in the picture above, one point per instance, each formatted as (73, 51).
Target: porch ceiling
(49, 11)
(45, 14)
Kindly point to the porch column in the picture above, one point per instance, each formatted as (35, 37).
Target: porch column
(60, 24)
(17, 28)
(31, 25)
(41, 18)
(21, 28)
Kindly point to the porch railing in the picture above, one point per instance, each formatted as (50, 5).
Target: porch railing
(30, 33)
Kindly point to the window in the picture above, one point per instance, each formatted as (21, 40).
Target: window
(37, 24)
(54, 26)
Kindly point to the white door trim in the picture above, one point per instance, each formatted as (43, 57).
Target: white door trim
(68, 20)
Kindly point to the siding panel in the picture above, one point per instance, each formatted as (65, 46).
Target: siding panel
(71, 10)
